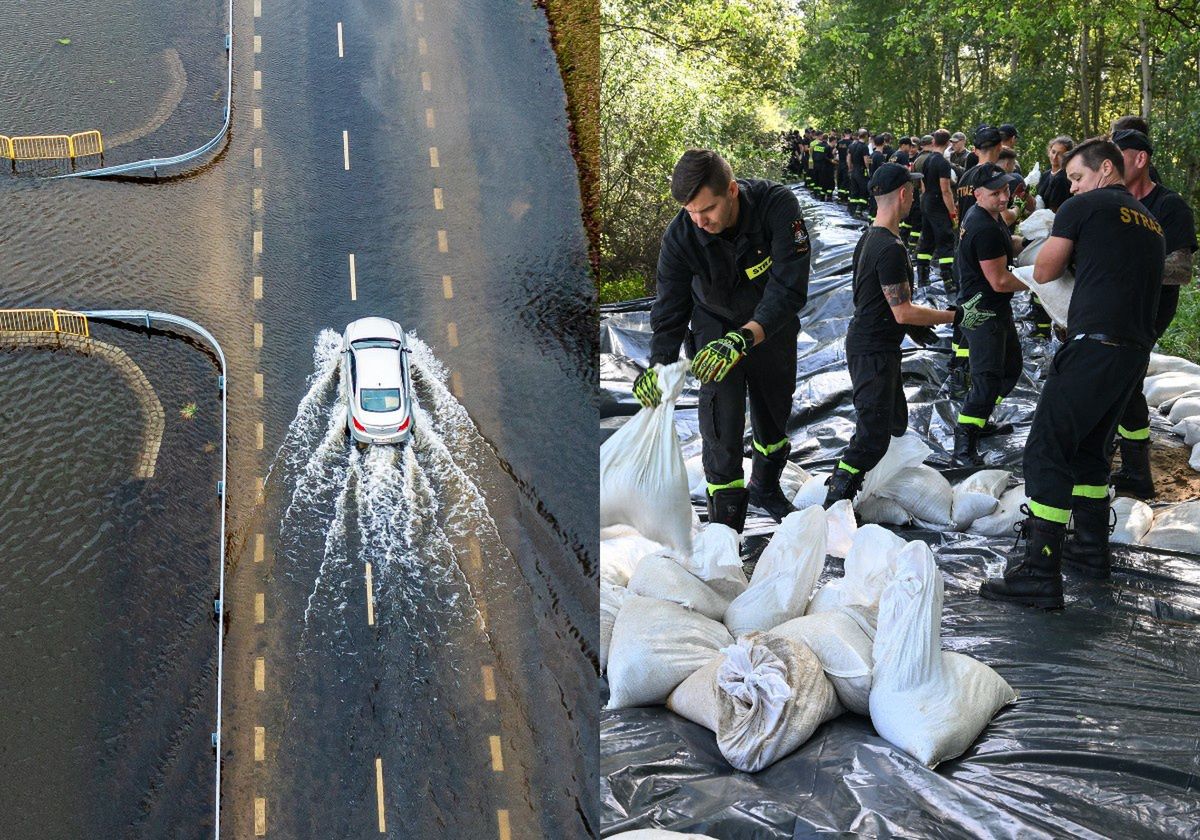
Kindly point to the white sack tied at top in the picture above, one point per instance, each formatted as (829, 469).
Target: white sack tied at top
(643, 481)
(930, 703)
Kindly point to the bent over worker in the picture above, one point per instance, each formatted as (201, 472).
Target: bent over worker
(734, 264)
(883, 314)
(1118, 251)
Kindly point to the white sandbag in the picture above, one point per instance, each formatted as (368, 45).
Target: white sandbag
(763, 699)
(611, 599)
(1176, 528)
(930, 703)
(619, 556)
(1162, 363)
(1165, 406)
(1184, 407)
(611, 532)
(1194, 460)
(1035, 175)
(716, 560)
(923, 492)
(1055, 295)
(1038, 225)
(881, 511)
(971, 506)
(643, 482)
(1166, 387)
(905, 451)
(841, 527)
(657, 834)
(811, 492)
(1006, 516)
(994, 482)
(843, 649)
(784, 578)
(661, 576)
(1189, 429)
(869, 567)
(1134, 518)
(655, 646)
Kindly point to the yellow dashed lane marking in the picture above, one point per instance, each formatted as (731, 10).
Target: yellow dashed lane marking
(258, 198)
(258, 287)
(379, 793)
(258, 242)
(489, 683)
(260, 545)
(258, 80)
(257, 158)
(370, 599)
(426, 81)
(258, 117)
(259, 486)
(452, 333)
(447, 287)
(258, 435)
(443, 245)
(437, 199)
(260, 608)
(433, 157)
(258, 43)
(258, 385)
(258, 334)
(420, 11)
(429, 120)
(422, 47)
(260, 817)
(260, 743)
(456, 383)
(502, 825)
(497, 756)
(258, 8)
(260, 674)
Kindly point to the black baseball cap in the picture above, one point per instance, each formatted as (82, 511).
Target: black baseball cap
(891, 176)
(1008, 130)
(992, 177)
(1131, 138)
(986, 137)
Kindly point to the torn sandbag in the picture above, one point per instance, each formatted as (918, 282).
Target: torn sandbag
(643, 481)
(611, 599)
(1134, 518)
(660, 575)
(655, 646)
(841, 527)
(844, 650)
(930, 703)
(619, 556)
(784, 576)
(763, 699)
(923, 492)
(1001, 522)
(715, 559)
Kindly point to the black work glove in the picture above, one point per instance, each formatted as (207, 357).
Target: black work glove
(647, 389)
(922, 335)
(969, 315)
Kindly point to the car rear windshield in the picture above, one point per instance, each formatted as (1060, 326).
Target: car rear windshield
(368, 343)
(380, 399)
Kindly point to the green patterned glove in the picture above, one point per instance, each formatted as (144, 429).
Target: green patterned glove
(646, 388)
(716, 358)
(969, 315)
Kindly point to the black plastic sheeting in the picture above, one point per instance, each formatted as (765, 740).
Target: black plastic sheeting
(1104, 740)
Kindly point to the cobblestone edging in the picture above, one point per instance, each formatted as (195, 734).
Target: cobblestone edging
(148, 402)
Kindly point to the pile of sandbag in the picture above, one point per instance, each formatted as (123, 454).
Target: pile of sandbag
(1172, 385)
(1176, 528)
(763, 663)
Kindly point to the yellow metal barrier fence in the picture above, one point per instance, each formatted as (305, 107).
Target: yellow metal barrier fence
(52, 146)
(43, 321)
(6, 147)
(86, 144)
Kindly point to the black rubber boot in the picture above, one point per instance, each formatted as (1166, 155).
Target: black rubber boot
(843, 484)
(991, 429)
(922, 275)
(1033, 577)
(1086, 550)
(764, 487)
(966, 446)
(728, 507)
(1135, 476)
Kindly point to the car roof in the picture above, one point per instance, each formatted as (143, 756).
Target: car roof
(378, 367)
(374, 327)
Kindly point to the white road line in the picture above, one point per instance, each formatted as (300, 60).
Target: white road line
(422, 47)
(452, 333)
(260, 743)
(456, 384)
(420, 10)
(258, 435)
(353, 280)
(258, 385)
(258, 242)
(257, 158)
(258, 43)
(379, 793)
(429, 120)
(426, 81)
(258, 287)
(260, 817)
(433, 158)
(258, 8)
(258, 198)
(476, 554)
(370, 599)
(258, 334)
(259, 547)
(346, 149)
(437, 199)
(443, 244)
(258, 80)
(258, 117)
(341, 47)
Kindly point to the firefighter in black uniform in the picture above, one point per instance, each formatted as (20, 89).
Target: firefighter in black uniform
(883, 314)
(734, 263)
(938, 213)
(843, 168)
(822, 167)
(1118, 251)
(859, 161)
(879, 156)
(985, 253)
(915, 219)
(1179, 230)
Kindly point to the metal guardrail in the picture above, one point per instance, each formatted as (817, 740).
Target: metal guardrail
(142, 316)
(153, 165)
(44, 321)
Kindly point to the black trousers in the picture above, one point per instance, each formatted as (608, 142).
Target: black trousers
(936, 244)
(881, 411)
(768, 373)
(1067, 451)
(843, 178)
(1135, 420)
(825, 176)
(858, 189)
(995, 359)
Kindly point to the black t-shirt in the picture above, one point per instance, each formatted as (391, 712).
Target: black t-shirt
(1170, 210)
(843, 148)
(982, 238)
(935, 169)
(857, 150)
(964, 192)
(1118, 258)
(971, 161)
(878, 158)
(1054, 189)
(880, 259)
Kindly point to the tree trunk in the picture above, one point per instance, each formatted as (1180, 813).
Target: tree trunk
(1097, 66)
(1144, 49)
(1085, 92)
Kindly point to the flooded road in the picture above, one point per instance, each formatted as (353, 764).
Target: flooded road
(469, 701)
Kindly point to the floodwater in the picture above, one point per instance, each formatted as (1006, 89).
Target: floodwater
(506, 455)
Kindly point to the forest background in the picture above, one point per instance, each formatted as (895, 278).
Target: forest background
(733, 74)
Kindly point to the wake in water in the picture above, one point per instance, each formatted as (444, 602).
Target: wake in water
(407, 510)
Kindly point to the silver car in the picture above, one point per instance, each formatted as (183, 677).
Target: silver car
(378, 387)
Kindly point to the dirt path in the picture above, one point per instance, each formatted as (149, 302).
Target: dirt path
(1174, 480)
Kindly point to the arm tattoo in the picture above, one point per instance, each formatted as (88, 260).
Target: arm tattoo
(1177, 271)
(897, 294)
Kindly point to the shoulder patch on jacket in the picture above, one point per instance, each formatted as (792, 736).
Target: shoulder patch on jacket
(800, 235)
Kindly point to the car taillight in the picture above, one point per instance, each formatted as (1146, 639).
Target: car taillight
(404, 425)
(357, 425)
